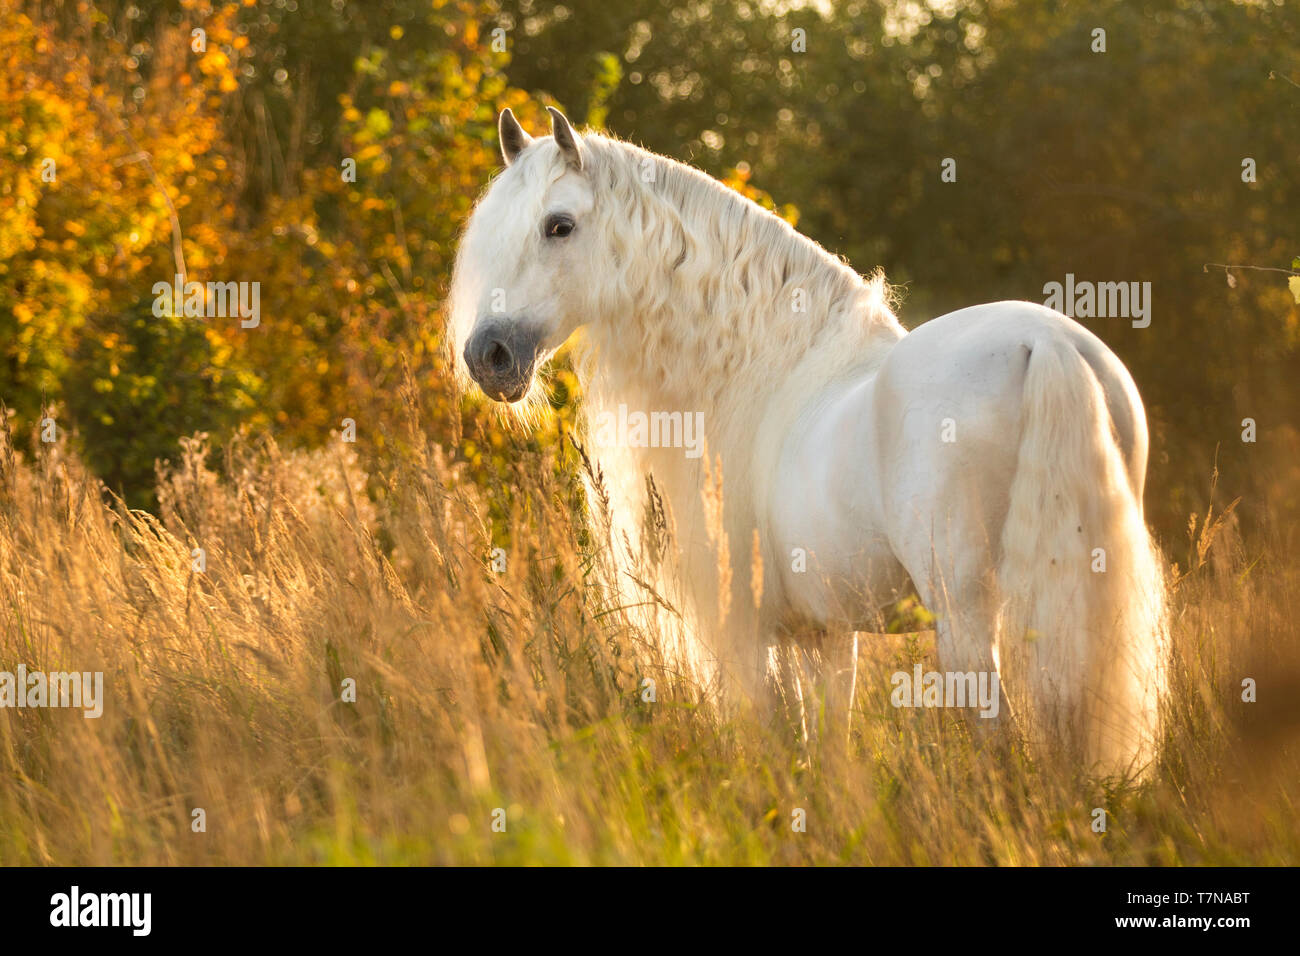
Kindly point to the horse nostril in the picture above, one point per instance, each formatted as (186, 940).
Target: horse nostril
(498, 358)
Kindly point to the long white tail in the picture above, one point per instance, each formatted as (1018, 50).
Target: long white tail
(1082, 636)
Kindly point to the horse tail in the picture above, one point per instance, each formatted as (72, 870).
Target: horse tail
(1083, 625)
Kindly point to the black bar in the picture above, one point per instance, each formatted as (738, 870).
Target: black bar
(333, 905)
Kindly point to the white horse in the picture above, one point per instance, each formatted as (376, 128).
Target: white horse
(993, 458)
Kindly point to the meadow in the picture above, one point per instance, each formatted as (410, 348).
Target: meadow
(500, 716)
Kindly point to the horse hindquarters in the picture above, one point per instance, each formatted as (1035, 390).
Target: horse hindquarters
(1082, 620)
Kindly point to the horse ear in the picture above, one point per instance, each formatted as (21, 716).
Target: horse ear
(565, 138)
(513, 138)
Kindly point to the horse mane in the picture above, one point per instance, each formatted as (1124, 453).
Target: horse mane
(727, 295)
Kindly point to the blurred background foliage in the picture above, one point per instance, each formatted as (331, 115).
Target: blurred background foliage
(1117, 166)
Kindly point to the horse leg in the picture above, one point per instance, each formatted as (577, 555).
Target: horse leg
(964, 601)
(786, 688)
(826, 670)
(965, 638)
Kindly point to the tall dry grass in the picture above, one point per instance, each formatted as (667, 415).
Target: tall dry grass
(523, 690)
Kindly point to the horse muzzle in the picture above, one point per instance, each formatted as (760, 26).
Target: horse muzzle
(501, 357)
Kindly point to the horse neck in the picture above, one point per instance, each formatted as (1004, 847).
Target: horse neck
(726, 303)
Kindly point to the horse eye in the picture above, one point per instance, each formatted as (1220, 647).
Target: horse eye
(557, 227)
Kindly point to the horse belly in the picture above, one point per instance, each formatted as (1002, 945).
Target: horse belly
(836, 566)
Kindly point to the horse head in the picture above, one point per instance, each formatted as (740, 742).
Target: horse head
(518, 289)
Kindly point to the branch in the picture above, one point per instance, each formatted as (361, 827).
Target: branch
(1226, 266)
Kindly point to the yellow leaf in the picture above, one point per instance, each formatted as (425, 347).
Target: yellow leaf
(1293, 284)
